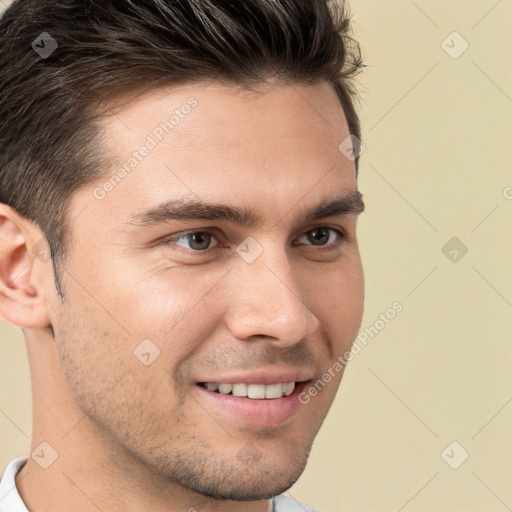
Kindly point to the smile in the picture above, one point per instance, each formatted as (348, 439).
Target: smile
(262, 405)
(253, 391)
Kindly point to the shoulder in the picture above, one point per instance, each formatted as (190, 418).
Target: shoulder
(284, 504)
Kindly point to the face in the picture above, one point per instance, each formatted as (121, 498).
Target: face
(164, 299)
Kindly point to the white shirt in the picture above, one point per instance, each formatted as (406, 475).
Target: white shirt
(10, 499)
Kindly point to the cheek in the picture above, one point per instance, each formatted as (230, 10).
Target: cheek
(107, 380)
(94, 350)
(160, 300)
(336, 297)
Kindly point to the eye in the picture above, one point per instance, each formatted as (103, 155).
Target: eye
(196, 240)
(322, 236)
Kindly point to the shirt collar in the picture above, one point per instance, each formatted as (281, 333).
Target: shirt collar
(10, 499)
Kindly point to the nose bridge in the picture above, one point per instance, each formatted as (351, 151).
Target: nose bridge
(268, 301)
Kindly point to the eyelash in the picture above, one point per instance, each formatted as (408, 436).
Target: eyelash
(171, 241)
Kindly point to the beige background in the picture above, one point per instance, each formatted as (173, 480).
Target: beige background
(438, 159)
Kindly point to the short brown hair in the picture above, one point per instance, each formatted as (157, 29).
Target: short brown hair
(50, 144)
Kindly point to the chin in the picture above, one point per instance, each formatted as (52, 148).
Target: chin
(234, 478)
(257, 483)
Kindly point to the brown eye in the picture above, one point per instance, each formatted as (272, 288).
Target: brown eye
(322, 236)
(318, 236)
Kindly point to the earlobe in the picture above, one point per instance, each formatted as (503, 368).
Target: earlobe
(21, 301)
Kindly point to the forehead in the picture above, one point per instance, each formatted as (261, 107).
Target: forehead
(216, 118)
(227, 144)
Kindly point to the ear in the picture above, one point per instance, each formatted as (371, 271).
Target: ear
(24, 267)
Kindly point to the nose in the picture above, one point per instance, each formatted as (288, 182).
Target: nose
(268, 303)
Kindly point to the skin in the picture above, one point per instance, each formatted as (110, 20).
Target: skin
(131, 437)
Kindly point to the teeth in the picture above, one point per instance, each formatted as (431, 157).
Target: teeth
(225, 388)
(274, 391)
(254, 391)
(288, 388)
(240, 389)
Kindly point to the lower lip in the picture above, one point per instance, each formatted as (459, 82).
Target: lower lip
(262, 412)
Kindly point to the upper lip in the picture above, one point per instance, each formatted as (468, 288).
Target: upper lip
(263, 376)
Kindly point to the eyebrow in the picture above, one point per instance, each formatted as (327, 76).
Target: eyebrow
(351, 202)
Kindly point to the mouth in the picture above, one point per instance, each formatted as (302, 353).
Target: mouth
(265, 405)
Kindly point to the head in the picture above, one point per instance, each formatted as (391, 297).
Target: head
(180, 161)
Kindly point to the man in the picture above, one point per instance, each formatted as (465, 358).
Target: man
(178, 210)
